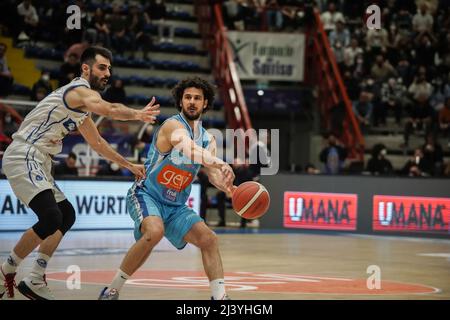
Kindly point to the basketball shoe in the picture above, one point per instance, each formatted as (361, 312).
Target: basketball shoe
(7, 285)
(35, 288)
(108, 294)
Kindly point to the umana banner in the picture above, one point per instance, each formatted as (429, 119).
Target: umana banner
(268, 56)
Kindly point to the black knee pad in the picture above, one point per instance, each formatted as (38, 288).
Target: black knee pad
(68, 214)
(49, 221)
(49, 216)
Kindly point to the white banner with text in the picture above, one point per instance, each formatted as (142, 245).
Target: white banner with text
(268, 56)
(98, 205)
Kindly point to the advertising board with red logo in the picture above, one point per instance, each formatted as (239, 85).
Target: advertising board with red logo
(412, 214)
(313, 210)
(174, 178)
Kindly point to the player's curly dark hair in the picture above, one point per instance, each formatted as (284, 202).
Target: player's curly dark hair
(195, 82)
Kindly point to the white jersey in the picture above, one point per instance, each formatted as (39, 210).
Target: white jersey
(51, 120)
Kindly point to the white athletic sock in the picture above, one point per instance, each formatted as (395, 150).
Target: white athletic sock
(119, 280)
(11, 264)
(217, 289)
(39, 265)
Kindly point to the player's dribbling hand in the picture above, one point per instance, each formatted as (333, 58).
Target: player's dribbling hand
(138, 170)
(228, 175)
(230, 191)
(149, 112)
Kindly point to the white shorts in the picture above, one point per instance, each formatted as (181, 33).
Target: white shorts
(29, 172)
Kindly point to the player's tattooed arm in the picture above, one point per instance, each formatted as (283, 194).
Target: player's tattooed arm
(90, 133)
(89, 100)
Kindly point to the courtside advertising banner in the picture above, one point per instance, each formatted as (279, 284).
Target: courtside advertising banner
(98, 205)
(412, 214)
(317, 210)
(268, 56)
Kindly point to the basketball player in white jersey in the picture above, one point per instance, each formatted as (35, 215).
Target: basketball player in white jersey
(27, 164)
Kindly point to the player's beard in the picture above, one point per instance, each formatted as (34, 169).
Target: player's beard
(97, 83)
(192, 116)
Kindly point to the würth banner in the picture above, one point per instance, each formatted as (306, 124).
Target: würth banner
(312, 210)
(413, 214)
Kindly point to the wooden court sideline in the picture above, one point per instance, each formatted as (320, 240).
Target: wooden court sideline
(257, 266)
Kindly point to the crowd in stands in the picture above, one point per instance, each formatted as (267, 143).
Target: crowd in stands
(126, 27)
(401, 69)
(115, 24)
(133, 26)
(427, 160)
(266, 15)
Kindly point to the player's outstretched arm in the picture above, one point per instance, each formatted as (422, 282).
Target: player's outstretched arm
(222, 178)
(90, 133)
(89, 100)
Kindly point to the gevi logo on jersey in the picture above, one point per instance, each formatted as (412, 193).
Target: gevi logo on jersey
(173, 178)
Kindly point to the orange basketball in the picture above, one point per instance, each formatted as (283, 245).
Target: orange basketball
(250, 200)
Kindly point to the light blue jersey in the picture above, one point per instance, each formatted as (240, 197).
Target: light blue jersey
(166, 188)
(170, 175)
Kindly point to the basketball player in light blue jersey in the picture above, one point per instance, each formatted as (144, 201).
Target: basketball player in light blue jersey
(157, 205)
(27, 164)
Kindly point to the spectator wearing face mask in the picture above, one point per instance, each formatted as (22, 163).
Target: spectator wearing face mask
(417, 166)
(359, 70)
(363, 110)
(333, 156)
(351, 52)
(9, 125)
(392, 93)
(433, 155)
(339, 40)
(378, 164)
(44, 87)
